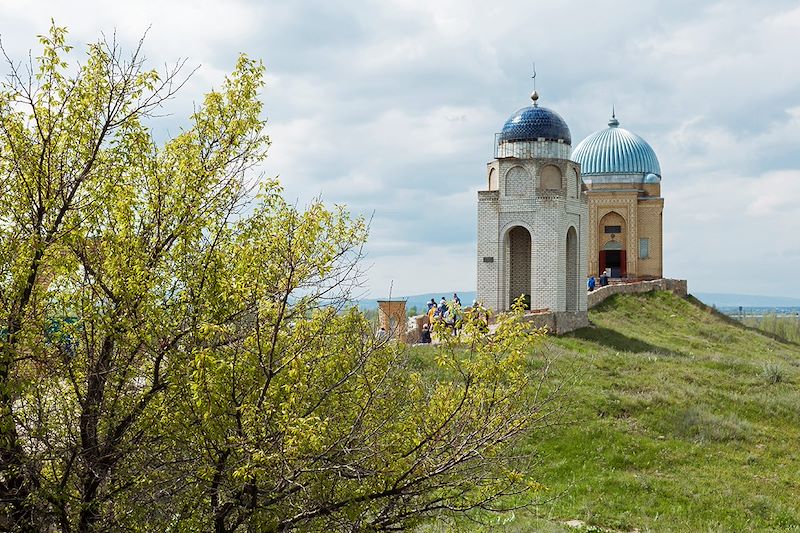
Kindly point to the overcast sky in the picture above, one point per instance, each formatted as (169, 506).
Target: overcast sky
(391, 108)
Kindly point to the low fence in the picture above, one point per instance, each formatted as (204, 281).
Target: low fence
(678, 286)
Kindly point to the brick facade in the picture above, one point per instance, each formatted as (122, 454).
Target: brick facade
(392, 318)
(638, 209)
(546, 205)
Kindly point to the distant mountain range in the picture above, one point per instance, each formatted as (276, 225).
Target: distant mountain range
(708, 298)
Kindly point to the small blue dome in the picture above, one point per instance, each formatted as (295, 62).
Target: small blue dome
(615, 150)
(533, 123)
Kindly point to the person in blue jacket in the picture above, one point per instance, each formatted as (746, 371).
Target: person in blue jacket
(591, 283)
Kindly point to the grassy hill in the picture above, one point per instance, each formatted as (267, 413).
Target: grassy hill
(679, 419)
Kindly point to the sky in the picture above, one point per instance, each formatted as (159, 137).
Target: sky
(390, 107)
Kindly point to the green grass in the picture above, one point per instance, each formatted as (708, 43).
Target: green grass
(678, 419)
(786, 327)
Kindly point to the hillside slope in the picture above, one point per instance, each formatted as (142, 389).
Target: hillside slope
(679, 420)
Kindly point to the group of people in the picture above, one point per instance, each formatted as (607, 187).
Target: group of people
(442, 311)
(442, 308)
(592, 283)
(450, 314)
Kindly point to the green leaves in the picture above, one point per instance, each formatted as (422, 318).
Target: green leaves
(206, 367)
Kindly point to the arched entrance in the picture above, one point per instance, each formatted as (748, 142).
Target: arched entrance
(571, 270)
(613, 256)
(611, 239)
(519, 273)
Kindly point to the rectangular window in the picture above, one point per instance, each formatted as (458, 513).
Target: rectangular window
(644, 248)
(613, 229)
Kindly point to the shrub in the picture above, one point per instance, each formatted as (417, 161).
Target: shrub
(772, 373)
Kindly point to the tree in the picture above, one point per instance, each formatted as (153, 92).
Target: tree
(176, 353)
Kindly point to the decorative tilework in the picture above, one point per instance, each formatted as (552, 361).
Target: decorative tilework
(533, 123)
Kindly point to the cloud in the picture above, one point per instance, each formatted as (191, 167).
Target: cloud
(729, 231)
(775, 195)
(391, 107)
(423, 271)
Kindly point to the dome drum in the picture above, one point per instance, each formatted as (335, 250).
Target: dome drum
(621, 179)
(530, 149)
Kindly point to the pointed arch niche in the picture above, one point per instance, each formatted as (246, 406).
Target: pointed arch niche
(518, 182)
(612, 233)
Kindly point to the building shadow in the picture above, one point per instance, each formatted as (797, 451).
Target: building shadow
(622, 343)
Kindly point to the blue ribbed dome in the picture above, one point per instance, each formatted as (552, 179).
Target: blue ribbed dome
(615, 150)
(533, 123)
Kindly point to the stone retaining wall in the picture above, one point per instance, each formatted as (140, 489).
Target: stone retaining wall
(565, 321)
(558, 322)
(677, 286)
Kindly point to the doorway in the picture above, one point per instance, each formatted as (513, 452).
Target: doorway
(519, 245)
(571, 271)
(615, 260)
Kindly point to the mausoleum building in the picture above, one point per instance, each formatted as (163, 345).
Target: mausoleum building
(533, 217)
(623, 180)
